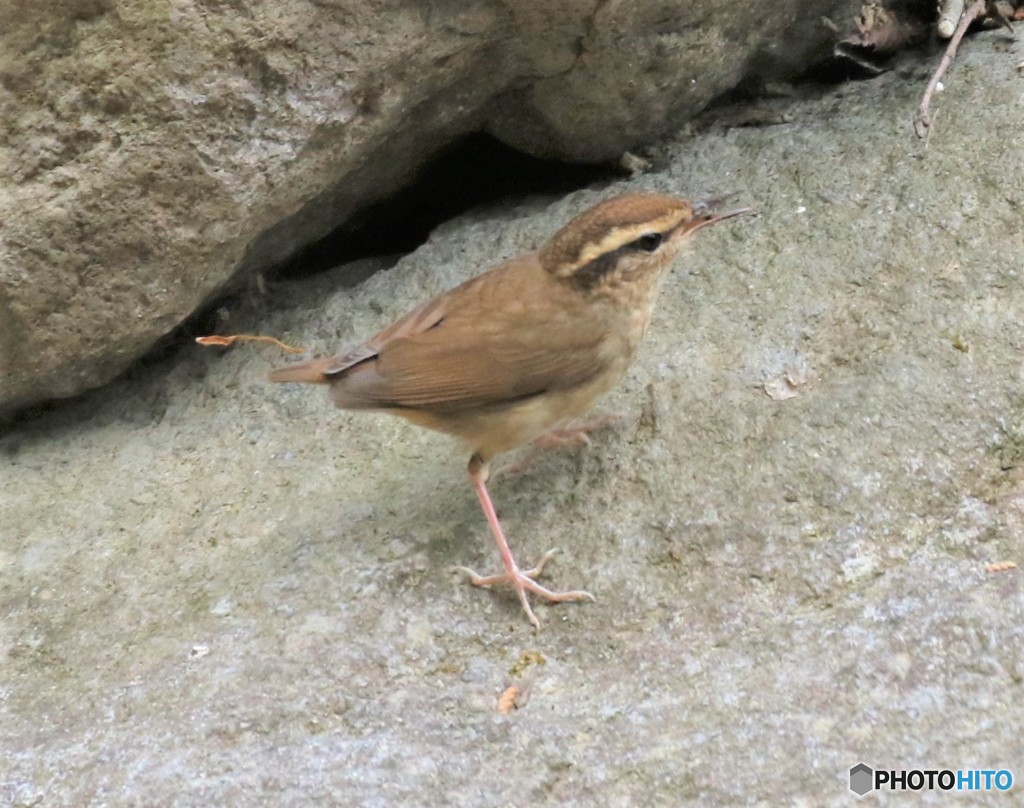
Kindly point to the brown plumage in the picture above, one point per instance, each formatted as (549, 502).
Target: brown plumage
(524, 347)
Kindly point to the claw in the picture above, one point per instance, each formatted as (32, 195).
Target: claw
(523, 581)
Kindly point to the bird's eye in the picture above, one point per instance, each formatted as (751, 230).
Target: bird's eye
(648, 243)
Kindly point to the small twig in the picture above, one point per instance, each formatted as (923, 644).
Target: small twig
(922, 120)
(216, 339)
(928, 137)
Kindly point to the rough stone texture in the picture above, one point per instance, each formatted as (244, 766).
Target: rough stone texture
(218, 592)
(153, 151)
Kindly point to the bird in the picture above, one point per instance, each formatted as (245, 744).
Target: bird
(524, 348)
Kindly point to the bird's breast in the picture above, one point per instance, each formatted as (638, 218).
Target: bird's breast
(495, 430)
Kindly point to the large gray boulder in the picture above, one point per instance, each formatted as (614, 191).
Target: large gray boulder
(153, 151)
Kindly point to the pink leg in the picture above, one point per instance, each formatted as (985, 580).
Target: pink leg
(520, 580)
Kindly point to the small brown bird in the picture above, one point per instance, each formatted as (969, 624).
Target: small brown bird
(523, 348)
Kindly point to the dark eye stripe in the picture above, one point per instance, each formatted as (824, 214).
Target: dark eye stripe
(591, 273)
(647, 243)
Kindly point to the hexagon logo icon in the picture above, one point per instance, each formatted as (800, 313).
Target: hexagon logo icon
(861, 779)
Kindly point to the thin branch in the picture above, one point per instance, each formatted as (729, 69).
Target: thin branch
(922, 120)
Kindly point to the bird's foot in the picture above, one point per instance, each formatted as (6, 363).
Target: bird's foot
(522, 581)
(576, 433)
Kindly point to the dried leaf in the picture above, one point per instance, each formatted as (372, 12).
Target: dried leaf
(881, 31)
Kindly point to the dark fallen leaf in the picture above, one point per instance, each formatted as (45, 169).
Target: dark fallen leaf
(882, 31)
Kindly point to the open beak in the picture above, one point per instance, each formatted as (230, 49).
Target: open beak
(704, 214)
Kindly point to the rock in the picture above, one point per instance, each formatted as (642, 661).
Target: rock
(785, 587)
(156, 153)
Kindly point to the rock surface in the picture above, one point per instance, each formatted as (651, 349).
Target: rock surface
(151, 152)
(215, 591)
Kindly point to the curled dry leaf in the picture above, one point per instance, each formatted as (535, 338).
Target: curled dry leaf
(216, 339)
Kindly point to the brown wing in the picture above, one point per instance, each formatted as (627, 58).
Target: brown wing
(421, 319)
(329, 369)
(485, 343)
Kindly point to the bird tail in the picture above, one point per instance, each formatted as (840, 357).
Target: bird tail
(312, 372)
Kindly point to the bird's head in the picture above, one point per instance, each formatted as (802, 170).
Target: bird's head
(625, 240)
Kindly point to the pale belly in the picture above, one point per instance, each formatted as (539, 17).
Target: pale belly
(493, 431)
